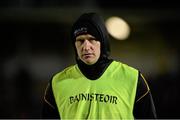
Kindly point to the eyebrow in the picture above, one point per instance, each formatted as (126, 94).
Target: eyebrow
(88, 37)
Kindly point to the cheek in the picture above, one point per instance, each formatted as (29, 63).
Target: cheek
(99, 48)
(76, 46)
(77, 49)
(99, 51)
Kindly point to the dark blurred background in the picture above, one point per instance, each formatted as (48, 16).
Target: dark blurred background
(35, 44)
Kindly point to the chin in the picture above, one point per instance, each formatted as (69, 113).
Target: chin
(89, 62)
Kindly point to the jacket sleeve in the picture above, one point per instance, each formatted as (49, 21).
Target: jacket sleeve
(144, 105)
(49, 109)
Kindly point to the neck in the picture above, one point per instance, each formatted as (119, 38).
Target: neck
(94, 71)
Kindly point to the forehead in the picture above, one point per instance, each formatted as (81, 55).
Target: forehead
(84, 36)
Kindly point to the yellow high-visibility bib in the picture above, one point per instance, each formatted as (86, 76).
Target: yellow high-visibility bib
(111, 96)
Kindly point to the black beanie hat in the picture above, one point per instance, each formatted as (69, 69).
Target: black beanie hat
(92, 23)
(86, 28)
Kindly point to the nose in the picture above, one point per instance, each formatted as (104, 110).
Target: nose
(86, 45)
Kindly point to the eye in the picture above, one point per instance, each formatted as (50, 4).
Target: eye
(80, 41)
(92, 40)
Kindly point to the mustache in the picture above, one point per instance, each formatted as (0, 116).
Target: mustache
(84, 54)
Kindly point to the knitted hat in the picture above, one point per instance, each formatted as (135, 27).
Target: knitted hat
(86, 28)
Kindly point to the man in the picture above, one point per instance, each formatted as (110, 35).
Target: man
(96, 87)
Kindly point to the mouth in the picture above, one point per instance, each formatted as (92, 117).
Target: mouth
(87, 55)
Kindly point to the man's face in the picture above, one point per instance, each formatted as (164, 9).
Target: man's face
(88, 48)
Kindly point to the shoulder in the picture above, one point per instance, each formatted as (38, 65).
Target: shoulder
(65, 73)
(124, 71)
(125, 67)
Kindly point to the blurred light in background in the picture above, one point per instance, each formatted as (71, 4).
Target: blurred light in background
(118, 28)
